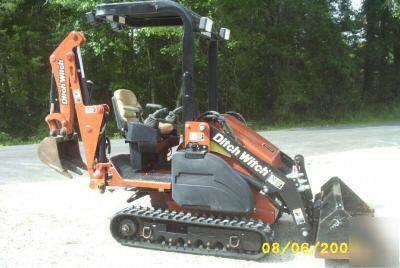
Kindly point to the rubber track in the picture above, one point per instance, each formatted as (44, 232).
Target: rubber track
(166, 216)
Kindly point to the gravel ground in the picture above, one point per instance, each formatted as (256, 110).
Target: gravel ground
(63, 223)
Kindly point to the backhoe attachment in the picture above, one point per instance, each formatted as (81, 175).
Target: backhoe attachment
(61, 154)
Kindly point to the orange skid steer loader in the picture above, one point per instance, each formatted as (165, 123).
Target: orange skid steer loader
(222, 188)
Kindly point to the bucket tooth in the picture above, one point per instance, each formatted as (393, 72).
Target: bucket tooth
(335, 206)
(62, 155)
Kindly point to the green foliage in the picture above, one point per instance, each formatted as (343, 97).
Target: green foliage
(289, 61)
(4, 138)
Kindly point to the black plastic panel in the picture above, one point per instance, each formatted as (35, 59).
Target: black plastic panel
(138, 132)
(209, 183)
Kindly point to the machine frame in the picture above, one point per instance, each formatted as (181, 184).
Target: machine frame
(278, 183)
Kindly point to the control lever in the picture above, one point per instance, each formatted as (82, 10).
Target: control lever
(178, 110)
(171, 117)
(153, 119)
(160, 112)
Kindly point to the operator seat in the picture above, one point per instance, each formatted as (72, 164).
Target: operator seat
(148, 145)
(127, 109)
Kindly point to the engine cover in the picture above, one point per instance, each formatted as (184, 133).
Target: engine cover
(205, 181)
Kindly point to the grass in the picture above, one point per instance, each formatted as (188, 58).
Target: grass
(385, 114)
(6, 139)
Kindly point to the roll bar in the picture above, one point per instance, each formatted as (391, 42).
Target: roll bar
(169, 13)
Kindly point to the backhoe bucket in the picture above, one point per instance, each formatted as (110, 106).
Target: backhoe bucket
(335, 207)
(62, 155)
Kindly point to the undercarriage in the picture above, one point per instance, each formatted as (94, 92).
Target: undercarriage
(188, 232)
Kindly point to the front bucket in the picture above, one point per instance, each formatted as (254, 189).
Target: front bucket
(61, 154)
(335, 206)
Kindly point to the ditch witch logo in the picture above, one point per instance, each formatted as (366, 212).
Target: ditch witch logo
(242, 155)
(63, 86)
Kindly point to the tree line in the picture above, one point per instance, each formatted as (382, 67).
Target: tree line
(287, 60)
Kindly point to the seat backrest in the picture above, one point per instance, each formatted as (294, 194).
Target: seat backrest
(127, 109)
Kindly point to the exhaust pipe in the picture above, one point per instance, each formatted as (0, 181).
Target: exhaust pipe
(62, 155)
(334, 209)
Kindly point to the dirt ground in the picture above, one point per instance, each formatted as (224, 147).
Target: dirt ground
(65, 224)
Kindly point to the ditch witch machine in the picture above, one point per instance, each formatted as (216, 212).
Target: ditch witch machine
(223, 186)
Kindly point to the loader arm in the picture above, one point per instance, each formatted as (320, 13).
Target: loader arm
(67, 72)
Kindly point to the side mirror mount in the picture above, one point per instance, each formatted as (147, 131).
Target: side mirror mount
(91, 18)
(206, 24)
(116, 27)
(225, 33)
